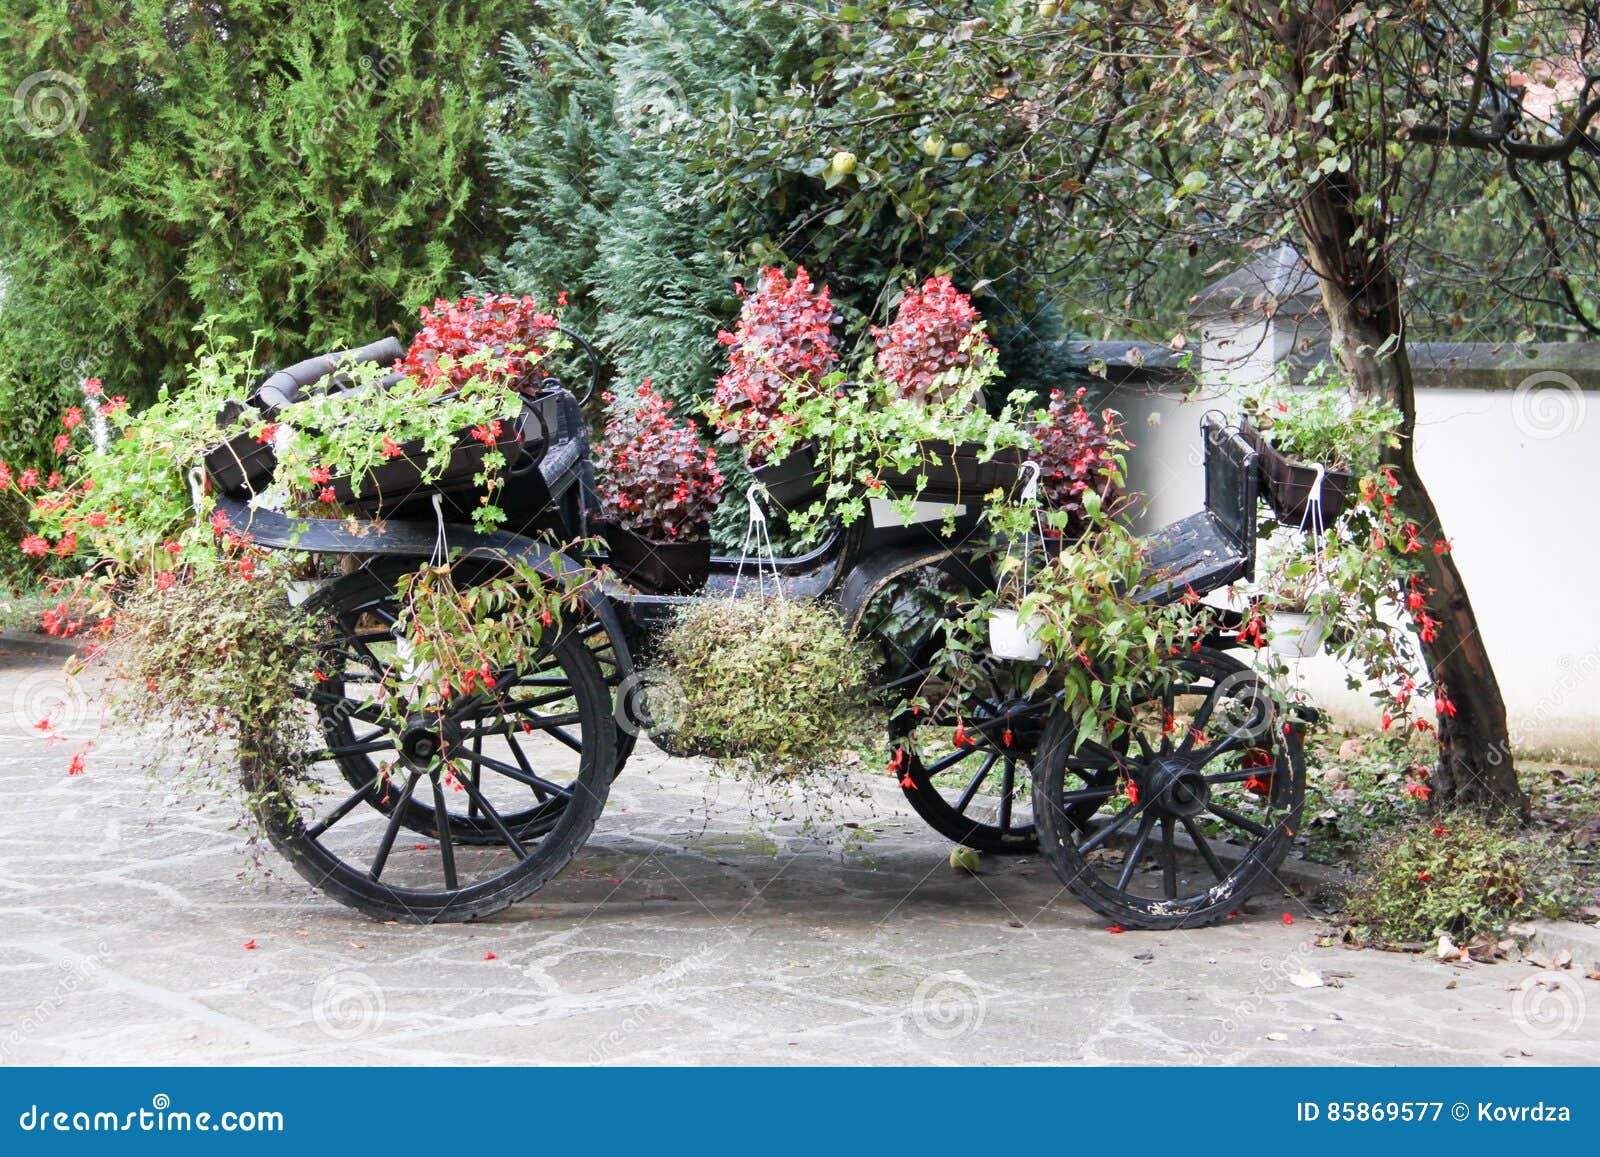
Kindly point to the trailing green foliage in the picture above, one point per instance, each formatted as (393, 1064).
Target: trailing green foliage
(1456, 874)
(305, 172)
(770, 686)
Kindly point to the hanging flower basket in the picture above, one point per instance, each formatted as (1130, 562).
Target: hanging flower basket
(1298, 634)
(1290, 485)
(1015, 638)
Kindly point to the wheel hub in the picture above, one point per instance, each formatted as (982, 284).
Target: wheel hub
(424, 737)
(1175, 788)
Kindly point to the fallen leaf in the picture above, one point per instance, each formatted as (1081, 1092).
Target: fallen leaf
(1277, 1036)
(1305, 978)
(1016, 923)
(1352, 749)
(1449, 986)
(1145, 955)
(1563, 960)
(1446, 949)
(1516, 1053)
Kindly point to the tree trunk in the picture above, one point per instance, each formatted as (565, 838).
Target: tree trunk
(1362, 297)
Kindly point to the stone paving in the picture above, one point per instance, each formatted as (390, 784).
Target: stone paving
(680, 935)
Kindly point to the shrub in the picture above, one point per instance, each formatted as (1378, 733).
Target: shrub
(307, 172)
(772, 687)
(653, 476)
(1458, 874)
(780, 351)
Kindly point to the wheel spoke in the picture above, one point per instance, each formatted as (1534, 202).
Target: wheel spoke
(386, 844)
(1237, 820)
(1202, 716)
(1168, 701)
(499, 825)
(316, 830)
(1230, 742)
(1169, 867)
(1008, 784)
(505, 769)
(1109, 829)
(1204, 846)
(977, 780)
(949, 761)
(447, 851)
(1140, 839)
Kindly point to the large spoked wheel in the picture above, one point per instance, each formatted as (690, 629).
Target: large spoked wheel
(1196, 792)
(360, 653)
(526, 770)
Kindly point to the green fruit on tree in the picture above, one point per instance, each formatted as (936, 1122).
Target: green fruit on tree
(843, 163)
(1049, 9)
(933, 145)
(960, 150)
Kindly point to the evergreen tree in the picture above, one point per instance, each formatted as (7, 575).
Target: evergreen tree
(311, 173)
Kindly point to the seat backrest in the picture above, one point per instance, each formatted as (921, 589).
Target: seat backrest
(1231, 481)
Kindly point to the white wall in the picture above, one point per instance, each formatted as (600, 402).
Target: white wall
(1516, 479)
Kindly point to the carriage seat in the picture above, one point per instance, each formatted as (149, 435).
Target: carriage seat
(1217, 546)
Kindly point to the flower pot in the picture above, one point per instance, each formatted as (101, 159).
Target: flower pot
(243, 464)
(1297, 634)
(956, 473)
(1289, 484)
(795, 481)
(1013, 637)
(665, 567)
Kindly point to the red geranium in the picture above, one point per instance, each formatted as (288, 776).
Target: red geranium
(935, 331)
(511, 328)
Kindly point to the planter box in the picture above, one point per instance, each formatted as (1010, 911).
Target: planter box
(667, 568)
(243, 464)
(955, 473)
(794, 482)
(1289, 484)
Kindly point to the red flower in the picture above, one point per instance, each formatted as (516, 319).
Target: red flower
(490, 956)
(1424, 876)
(76, 766)
(934, 332)
(1440, 830)
(489, 434)
(1418, 791)
(164, 580)
(36, 546)
(111, 407)
(327, 494)
(96, 519)
(1132, 792)
(219, 521)
(321, 475)
(63, 443)
(908, 783)
(73, 417)
(961, 734)
(92, 387)
(268, 432)
(1288, 918)
(1115, 929)
(561, 298)
(390, 449)
(250, 944)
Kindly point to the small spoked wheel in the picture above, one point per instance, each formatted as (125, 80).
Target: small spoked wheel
(504, 786)
(965, 765)
(1195, 793)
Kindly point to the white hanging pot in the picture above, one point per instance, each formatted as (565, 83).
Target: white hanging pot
(1013, 637)
(1298, 634)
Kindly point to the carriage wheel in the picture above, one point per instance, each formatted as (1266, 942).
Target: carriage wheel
(1196, 795)
(360, 653)
(963, 766)
(532, 766)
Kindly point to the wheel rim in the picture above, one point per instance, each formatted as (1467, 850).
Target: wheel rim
(490, 731)
(538, 793)
(1192, 794)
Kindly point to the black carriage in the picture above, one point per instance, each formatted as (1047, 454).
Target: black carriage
(1167, 816)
